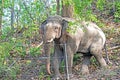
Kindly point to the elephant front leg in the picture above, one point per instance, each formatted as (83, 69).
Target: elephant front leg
(85, 63)
(57, 59)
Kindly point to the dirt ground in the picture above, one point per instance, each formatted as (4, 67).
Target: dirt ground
(36, 70)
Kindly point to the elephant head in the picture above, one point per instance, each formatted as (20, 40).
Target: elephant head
(52, 28)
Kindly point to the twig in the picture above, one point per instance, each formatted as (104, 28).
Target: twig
(13, 63)
(40, 44)
(28, 11)
(115, 47)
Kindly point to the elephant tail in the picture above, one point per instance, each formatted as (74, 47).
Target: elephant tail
(107, 57)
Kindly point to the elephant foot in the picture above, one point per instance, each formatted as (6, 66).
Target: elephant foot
(71, 77)
(57, 77)
(84, 70)
(68, 77)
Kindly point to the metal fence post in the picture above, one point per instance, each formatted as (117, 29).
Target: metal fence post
(66, 61)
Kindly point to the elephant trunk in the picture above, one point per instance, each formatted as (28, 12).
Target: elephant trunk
(48, 68)
(47, 48)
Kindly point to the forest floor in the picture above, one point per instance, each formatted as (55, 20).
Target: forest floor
(36, 69)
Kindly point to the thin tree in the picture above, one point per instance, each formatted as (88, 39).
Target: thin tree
(1, 12)
(47, 6)
(58, 7)
(12, 15)
(67, 9)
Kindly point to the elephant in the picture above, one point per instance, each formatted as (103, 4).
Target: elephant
(88, 39)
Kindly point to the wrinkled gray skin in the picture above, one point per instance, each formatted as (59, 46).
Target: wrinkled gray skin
(88, 40)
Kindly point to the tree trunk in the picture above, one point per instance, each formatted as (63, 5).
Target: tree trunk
(58, 7)
(67, 10)
(12, 15)
(1, 12)
(47, 6)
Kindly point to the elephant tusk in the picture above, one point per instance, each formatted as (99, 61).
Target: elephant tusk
(50, 40)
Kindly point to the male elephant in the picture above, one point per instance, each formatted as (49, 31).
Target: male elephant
(88, 39)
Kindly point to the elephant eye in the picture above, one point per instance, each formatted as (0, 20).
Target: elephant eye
(56, 28)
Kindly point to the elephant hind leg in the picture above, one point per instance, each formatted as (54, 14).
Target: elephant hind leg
(98, 55)
(85, 63)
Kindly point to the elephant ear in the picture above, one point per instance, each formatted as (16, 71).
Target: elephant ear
(65, 22)
(42, 27)
(64, 25)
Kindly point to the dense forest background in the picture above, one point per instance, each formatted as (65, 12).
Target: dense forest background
(20, 40)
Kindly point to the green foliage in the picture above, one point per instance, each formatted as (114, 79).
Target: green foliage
(100, 4)
(84, 11)
(7, 3)
(76, 57)
(9, 73)
(72, 27)
(16, 43)
(12, 72)
(5, 47)
(34, 51)
(41, 76)
(67, 2)
(94, 61)
(117, 12)
(2, 70)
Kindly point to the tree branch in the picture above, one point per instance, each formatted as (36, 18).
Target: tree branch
(115, 47)
(28, 12)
